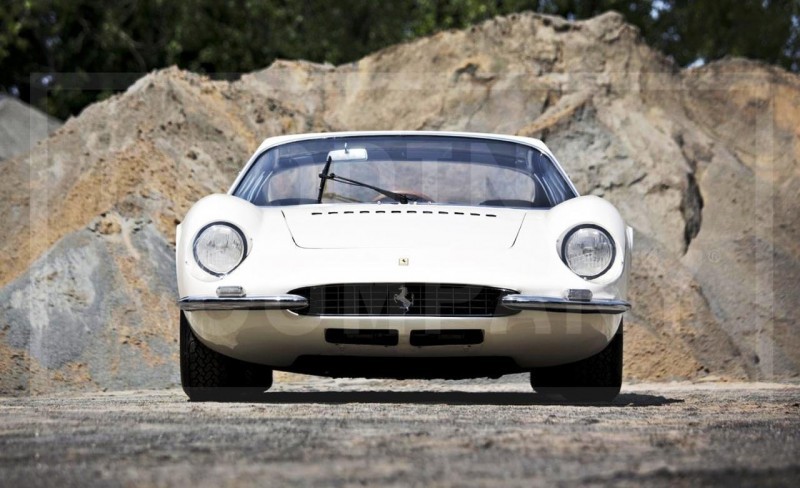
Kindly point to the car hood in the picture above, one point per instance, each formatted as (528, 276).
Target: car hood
(354, 226)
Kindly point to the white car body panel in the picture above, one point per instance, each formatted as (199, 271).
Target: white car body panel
(305, 245)
(352, 227)
(531, 339)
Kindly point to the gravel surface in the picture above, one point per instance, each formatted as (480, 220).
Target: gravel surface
(325, 432)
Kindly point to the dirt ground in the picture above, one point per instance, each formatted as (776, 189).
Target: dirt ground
(324, 432)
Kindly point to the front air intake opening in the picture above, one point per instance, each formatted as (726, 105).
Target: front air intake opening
(456, 337)
(365, 337)
(404, 299)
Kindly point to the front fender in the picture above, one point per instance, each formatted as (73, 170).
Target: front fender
(542, 234)
(219, 208)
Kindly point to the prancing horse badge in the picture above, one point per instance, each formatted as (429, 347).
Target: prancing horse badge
(403, 300)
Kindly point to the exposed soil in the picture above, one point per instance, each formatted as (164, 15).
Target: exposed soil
(322, 432)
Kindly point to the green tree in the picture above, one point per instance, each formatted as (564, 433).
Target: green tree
(81, 37)
(711, 29)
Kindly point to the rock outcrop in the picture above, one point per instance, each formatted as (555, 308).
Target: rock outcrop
(21, 126)
(702, 162)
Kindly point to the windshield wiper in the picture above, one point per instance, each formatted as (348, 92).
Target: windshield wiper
(398, 197)
(323, 177)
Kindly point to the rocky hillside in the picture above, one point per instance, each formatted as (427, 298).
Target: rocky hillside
(21, 126)
(702, 162)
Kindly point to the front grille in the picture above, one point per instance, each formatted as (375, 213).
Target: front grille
(404, 299)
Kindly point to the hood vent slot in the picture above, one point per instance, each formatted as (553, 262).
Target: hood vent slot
(423, 212)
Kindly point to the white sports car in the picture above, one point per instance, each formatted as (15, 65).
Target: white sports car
(402, 255)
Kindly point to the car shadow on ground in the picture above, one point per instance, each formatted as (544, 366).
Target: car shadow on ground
(453, 398)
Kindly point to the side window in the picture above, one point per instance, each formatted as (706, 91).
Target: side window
(553, 183)
(259, 172)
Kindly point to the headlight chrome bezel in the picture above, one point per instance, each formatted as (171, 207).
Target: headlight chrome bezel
(572, 232)
(196, 240)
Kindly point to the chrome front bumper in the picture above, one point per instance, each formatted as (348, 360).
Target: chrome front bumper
(514, 302)
(272, 302)
(549, 304)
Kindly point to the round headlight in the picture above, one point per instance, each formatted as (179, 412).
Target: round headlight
(219, 248)
(588, 250)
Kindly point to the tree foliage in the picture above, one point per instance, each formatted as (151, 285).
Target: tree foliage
(46, 45)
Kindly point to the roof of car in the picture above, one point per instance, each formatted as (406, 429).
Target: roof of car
(278, 140)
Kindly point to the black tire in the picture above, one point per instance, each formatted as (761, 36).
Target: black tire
(595, 379)
(207, 375)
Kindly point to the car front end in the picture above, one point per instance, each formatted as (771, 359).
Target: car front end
(425, 288)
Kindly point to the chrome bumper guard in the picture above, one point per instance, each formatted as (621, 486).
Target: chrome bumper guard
(514, 302)
(273, 302)
(549, 304)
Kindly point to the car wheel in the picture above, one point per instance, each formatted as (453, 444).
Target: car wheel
(595, 379)
(207, 375)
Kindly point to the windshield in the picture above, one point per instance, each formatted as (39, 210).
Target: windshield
(427, 169)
